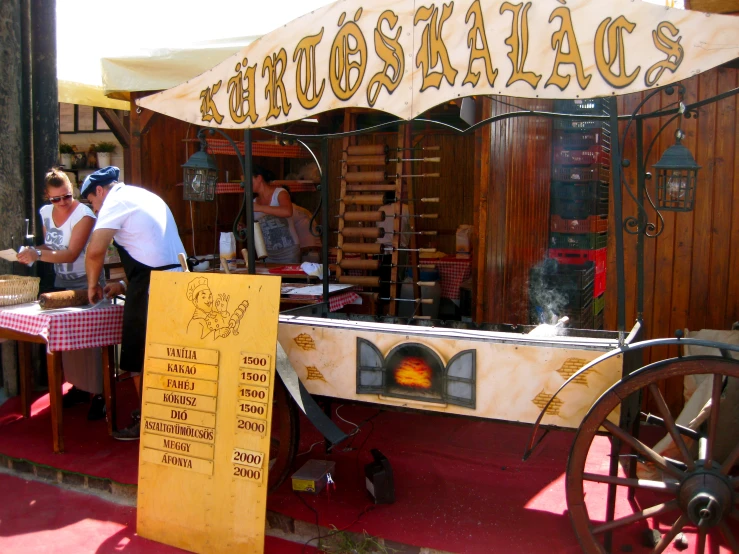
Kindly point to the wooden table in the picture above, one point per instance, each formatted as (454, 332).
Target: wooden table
(338, 295)
(60, 330)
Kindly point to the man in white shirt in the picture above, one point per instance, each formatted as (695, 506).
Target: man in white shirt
(145, 234)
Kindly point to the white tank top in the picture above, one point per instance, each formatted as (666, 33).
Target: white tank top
(279, 232)
(57, 238)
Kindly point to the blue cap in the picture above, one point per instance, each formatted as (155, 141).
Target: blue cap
(101, 178)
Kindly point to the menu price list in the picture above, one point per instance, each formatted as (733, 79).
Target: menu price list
(179, 418)
(252, 413)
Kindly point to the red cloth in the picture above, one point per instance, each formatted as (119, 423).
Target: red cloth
(70, 330)
(338, 301)
(48, 518)
(460, 483)
(229, 188)
(453, 272)
(285, 269)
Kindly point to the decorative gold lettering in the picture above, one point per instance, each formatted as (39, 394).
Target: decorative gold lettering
(346, 72)
(671, 47)
(275, 84)
(306, 48)
(478, 53)
(391, 53)
(519, 43)
(208, 110)
(616, 51)
(432, 49)
(572, 56)
(240, 95)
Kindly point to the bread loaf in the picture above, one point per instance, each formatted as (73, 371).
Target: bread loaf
(63, 299)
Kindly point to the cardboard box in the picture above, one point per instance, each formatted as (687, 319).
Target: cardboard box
(313, 476)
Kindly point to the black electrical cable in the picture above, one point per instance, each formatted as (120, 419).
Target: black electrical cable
(315, 512)
(354, 433)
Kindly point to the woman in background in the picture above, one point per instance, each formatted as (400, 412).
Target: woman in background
(67, 226)
(310, 245)
(273, 209)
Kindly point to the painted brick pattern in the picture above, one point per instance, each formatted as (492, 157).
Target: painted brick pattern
(570, 367)
(305, 341)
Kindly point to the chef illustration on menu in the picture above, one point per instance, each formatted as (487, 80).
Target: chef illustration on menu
(211, 315)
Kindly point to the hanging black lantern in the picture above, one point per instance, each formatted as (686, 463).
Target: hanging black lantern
(200, 174)
(677, 174)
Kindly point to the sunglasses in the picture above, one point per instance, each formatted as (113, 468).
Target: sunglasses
(57, 199)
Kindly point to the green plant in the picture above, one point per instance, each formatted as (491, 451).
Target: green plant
(65, 148)
(341, 542)
(105, 147)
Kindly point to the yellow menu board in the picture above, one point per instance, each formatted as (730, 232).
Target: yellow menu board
(206, 411)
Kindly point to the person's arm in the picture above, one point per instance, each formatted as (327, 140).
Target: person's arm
(27, 255)
(80, 233)
(115, 288)
(285, 208)
(94, 260)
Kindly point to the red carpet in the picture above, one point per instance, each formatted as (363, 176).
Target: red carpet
(88, 447)
(44, 518)
(460, 485)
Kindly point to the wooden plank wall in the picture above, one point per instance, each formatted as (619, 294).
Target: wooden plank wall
(516, 195)
(692, 267)
(454, 187)
(163, 153)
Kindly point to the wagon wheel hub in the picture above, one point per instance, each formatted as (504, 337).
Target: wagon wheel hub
(706, 497)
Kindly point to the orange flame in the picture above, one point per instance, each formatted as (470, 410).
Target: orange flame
(413, 372)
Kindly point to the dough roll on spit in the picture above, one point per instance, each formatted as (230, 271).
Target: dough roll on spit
(63, 299)
(382, 160)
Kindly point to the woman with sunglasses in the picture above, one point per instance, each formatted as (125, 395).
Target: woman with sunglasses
(67, 227)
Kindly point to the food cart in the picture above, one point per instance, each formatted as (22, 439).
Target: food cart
(403, 59)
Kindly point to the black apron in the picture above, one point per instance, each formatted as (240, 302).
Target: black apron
(135, 310)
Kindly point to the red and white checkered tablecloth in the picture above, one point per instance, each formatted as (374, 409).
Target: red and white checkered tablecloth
(453, 272)
(71, 329)
(338, 301)
(229, 188)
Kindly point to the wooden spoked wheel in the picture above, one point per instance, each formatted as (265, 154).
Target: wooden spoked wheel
(285, 436)
(694, 492)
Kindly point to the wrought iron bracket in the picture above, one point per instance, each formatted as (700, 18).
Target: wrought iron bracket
(640, 224)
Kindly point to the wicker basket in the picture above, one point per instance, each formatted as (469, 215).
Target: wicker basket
(15, 289)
